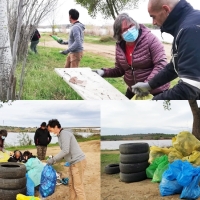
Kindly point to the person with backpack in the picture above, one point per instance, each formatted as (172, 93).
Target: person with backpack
(35, 40)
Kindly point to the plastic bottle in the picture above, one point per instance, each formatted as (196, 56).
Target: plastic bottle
(56, 38)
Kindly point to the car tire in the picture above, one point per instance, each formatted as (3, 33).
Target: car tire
(133, 168)
(12, 184)
(133, 148)
(134, 158)
(133, 177)
(9, 170)
(112, 169)
(11, 194)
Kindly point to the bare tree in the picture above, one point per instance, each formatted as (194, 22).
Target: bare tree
(5, 52)
(17, 22)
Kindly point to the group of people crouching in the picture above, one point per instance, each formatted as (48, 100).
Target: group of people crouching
(17, 156)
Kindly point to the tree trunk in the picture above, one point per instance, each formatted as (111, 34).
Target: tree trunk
(14, 52)
(196, 118)
(5, 52)
(112, 12)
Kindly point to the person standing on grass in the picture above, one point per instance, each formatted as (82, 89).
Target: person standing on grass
(75, 42)
(42, 138)
(182, 21)
(73, 154)
(3, 135)
(35, 37)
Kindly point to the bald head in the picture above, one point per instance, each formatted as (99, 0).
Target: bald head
(157, 4)
(160, 9)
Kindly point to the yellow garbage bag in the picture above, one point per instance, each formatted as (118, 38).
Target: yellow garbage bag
(147, 97)
(194, 158)
(23, 197)
(157, 152)
(186, 143)
(4, 157)
(174, 155)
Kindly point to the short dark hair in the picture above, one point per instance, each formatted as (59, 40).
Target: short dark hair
(3, 132)
(54, 122)
(74, 14)
(43, 124)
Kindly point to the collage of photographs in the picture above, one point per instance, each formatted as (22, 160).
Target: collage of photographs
(99, 100)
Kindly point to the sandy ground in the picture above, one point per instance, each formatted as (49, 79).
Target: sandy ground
(107, 51)
(113, 189)
(91, 176)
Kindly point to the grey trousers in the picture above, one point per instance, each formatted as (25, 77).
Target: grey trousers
(33, 46)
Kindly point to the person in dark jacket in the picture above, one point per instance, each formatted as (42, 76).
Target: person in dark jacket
(3, 135)
(16, 157)
(139, 54)
(42, 138)
(34, 40)
(178, 18)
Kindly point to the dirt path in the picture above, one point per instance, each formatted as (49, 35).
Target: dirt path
(91, 176)
(103, 50)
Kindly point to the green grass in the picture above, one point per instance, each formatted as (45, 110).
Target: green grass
(27, 147)
(108, 158)
(41, 82)
(87, 38)
(93, 137)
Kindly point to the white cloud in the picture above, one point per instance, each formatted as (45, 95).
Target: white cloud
(141, 14)
(146, 115)
(69, 113)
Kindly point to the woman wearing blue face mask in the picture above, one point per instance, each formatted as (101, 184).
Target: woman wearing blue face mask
(3, 135)
(139, 54)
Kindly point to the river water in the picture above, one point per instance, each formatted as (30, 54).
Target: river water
(13, 138)
(112, 145)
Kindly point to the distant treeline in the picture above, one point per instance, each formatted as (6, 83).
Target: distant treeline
(139, 136)
(33, 129)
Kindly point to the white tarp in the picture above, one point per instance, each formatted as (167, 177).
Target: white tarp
(89, 85)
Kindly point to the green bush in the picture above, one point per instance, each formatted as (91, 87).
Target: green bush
(106, 38)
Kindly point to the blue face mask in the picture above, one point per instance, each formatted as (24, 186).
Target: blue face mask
(3, 137)
(131, 34)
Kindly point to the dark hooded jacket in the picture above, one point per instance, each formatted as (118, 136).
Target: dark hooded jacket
(183, 23)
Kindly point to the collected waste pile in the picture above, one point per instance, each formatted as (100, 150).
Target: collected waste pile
(19, 180)
(177, 168)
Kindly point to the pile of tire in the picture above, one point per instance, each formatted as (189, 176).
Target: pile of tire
(12, 180)
(133, 161)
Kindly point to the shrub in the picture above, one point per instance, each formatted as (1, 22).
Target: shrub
(106, 38)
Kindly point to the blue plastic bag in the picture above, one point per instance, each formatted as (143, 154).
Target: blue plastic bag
(187, 172)
(192, 191)
(173, 171)
(30, 187)
(168, 187)
(48, 181)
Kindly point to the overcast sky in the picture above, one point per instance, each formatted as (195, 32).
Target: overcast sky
(118, 117)
(141, 14)
(33, 113)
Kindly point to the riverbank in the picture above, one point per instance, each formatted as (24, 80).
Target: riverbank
(113, 189)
